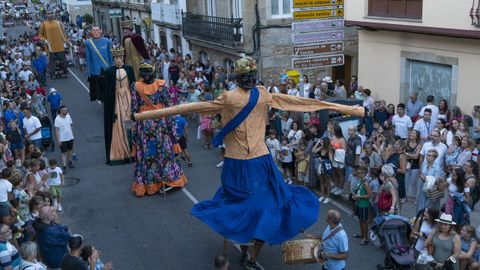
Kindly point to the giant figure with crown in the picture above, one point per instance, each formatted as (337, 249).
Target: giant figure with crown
(156, 167)
(253, 202)
(135, 50)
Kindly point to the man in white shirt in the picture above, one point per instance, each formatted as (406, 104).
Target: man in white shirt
(31, 128)
(423, 126)
(272, 88)
(24, 73)
(5, 194)
(64, 135)
(436, 144)
(434, 117)
(402, 123)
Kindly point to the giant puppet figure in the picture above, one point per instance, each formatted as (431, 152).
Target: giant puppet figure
(98, 58)
(253, 203)
(53, 34)
(117, 110)
(135, 50)
(154, 139)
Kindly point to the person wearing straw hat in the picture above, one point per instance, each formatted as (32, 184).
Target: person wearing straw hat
(253, 203)
(444, 243)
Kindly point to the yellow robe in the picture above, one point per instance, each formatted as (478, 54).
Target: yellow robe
(132, 57)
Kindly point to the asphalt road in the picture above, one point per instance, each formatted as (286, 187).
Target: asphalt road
(155, 232)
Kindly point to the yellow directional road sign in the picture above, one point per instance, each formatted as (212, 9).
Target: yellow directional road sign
(317, 14)
(315, 3)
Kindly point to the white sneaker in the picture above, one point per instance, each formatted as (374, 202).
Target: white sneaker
(220, 164)
(59, 206)
(289, 181)
(327, 200)
(333, 190)
(338, 192)
(321, 199)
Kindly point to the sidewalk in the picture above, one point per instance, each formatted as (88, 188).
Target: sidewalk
(408, 209)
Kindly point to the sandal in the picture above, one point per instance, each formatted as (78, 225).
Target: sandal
(364, 242)
(356, 236)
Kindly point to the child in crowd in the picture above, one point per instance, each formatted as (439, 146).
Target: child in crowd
(20, 195)
(14, 135)
(273, 144)
(301, 160)
(55, 182)
(286, 158)
(361, 195)
(206, 128)
(476, 151)
(374, 183)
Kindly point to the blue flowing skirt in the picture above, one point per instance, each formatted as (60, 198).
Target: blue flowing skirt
(255, 203)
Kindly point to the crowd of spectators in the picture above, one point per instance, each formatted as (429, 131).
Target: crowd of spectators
(31, 179)
(419, 152)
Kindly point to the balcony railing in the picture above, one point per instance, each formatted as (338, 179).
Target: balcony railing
(166, 13)
(403, 9)
(223, 31)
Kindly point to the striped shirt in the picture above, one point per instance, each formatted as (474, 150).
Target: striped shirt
(8, 256)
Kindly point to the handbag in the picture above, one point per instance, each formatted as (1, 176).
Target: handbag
(435, 194)
(384, 201)
(424, 257)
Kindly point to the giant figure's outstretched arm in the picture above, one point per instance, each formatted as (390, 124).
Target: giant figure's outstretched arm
(298, 104)
(197, 107)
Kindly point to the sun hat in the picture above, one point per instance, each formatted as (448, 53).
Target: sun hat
(327, 79)
(446, 218)
(53, 90)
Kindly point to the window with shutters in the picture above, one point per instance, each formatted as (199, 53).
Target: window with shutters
(402, 9)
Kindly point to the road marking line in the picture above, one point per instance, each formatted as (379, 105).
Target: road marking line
(340, 206)
(189, 195)
(80, 81)
(194, 200)
(185, 190)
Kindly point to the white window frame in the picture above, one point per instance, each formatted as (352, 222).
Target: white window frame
(211, 8)
(237, 9)
(281, 12)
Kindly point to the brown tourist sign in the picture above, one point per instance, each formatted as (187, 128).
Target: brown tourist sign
(320, 61)
(319, 48)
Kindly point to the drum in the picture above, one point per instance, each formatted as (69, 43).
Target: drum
(299, 251)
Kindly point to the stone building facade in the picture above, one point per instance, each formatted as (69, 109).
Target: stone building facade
(264, 35)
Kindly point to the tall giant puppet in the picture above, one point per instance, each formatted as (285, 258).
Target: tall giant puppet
(253, 203)
(117, 111)
(98, 59)
(154, 139)
(53, 34)
(135, 51)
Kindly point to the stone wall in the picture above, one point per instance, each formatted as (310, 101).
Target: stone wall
(276, 55)
(81, 10)
(215, 57)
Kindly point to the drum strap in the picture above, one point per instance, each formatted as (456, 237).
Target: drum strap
(332, 234)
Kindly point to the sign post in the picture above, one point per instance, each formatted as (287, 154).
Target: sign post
(317, 33)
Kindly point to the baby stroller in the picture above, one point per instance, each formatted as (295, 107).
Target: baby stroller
(392, 234)
(70, 58)
(46, 132)
(59, 71)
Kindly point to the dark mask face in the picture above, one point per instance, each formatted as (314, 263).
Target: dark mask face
(247, 81)
(147, 75)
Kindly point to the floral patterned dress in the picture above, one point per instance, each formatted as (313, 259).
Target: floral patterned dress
(154, 142)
